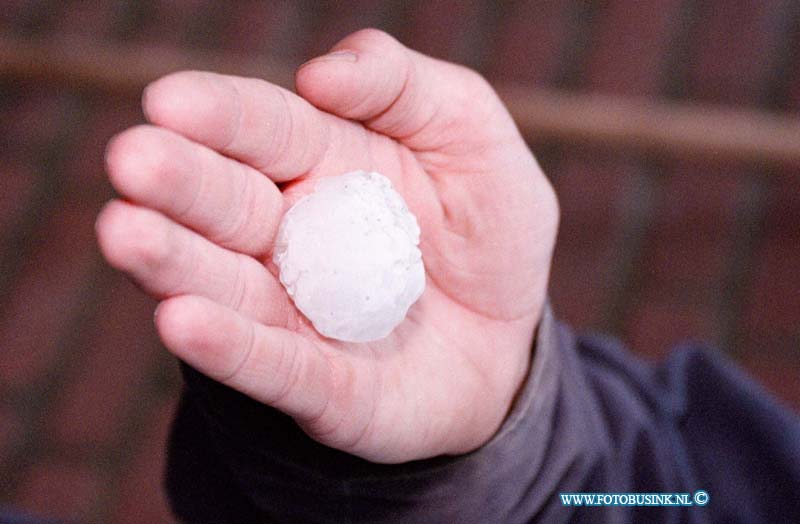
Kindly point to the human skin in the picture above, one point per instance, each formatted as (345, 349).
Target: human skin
(204, 186)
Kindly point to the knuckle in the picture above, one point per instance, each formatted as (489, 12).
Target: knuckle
(340, 380)
(235, 230)
(282, 143)
(329, 420)
(149, 246)
(129, 238)
(473, 85)
(238, 289)
(474, 79)
(248, 349)
(289, 371)
(236, 103)
(371, 36)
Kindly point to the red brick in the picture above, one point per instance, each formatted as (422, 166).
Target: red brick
(141, 494)
(658, 322)
(84, 166)
(60, 490)
(530, 42)
(772, 306)
(121, 350)
(595, 194)
(169, 22)
(33, 121)
(629, 53)
(792, 101)
(686, 259)
(85, 18)
(782, 214)
(579, 282)
(590, 188)
(735, 50)
(692, 239)
(774, 302)
(12, 10)
(448, 29)
(11, 431)
(38, 314)
(335, 20)
(17, 188)
(689, 252)
(258, 28)
(777, 370)
(701, 193)
(600, 195)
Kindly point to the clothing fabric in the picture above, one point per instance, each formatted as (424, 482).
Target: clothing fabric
(591, 417)
(8, 516)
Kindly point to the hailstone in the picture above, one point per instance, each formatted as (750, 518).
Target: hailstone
(348, 256)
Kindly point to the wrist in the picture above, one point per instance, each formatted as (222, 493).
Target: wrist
(494, 401)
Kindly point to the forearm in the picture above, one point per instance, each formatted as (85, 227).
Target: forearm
(272, 469)
(590, 417)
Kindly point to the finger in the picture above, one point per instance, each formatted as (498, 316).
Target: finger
(273, 365)
(167, 259)
(228, 202)
(426, 103)
(261, 124)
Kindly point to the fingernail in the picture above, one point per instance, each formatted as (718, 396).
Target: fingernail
(343, 55)
(144, 103)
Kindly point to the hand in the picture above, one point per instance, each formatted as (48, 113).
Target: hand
(207, 183)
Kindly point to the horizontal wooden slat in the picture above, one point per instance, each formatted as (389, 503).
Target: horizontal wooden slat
(674, 128)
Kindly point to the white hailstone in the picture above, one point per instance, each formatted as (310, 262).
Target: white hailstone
(348, 257)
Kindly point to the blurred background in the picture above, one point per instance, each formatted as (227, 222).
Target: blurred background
(669, 129)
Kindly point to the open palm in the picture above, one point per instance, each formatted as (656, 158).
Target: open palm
(206, 186)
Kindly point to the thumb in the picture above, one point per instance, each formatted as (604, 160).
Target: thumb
(425, 103)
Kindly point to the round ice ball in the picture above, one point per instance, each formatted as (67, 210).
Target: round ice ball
(348, 256)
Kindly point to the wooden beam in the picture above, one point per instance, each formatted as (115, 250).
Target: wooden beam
(644, 124)
(651, 125)
(120, 70)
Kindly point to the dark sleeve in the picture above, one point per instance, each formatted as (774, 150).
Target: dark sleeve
(590, 418)
(12, 517)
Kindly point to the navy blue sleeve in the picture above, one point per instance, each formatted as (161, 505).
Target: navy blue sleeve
(590, 418)
(13, 517)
